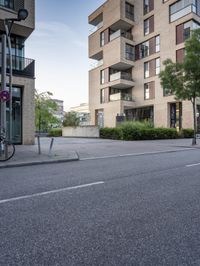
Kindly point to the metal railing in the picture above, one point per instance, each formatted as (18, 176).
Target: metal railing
(21, 66)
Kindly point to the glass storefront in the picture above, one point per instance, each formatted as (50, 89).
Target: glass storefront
(140, 114)
(16, 115)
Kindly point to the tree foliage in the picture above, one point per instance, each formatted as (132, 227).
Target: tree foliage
(71, 120)
(183, 79)
(44, 108)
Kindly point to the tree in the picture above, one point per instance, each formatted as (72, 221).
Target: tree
(44, 107)
(71, 120)
(183, 79)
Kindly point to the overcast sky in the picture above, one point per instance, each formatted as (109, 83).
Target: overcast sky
(59, 46)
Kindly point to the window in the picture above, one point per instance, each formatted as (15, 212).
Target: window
(129, 11)
(149, 90)
(183, 31)
(157, 66)
(146, 69)
(102, 96)
(146, 27)
(157, 43)
(146, 91)
(102, 39)
(148, 6)
(7, 3)
(129, 53)
(102, 76)
(149, 25)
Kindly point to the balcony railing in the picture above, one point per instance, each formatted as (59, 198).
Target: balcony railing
(21, 66)
(96, 64)
(121, 96)
(182, 8)
(121, 75)
(119, 33)
(100, 25)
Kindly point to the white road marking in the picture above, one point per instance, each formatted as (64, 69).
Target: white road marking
(134, 154)
(50, 192)
(192, 165)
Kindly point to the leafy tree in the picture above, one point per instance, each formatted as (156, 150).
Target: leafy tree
(44, 107)
(183, 79)
(71, 120)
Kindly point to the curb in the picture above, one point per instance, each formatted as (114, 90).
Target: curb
(12, 165)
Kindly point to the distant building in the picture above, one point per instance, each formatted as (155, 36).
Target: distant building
(59, 114)
(83, 113)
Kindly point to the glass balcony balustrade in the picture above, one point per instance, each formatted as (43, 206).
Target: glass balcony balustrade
(121, 75)
(121, 97)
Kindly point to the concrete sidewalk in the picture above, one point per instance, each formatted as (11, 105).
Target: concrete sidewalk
(73, 149)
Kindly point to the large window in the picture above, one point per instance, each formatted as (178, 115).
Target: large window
(147, 48)
(102, 96)
(146, 69)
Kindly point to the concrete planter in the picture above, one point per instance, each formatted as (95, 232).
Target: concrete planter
(81, 132)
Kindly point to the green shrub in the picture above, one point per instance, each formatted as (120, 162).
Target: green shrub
(55, 132)
(132, 132)
(186, 133)
(111, 133)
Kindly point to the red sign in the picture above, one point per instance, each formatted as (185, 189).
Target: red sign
(4, 96)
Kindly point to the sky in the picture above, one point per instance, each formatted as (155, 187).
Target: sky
(59, 46)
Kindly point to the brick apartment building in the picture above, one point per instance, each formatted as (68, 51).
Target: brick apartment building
(23, 70)
(130, 41)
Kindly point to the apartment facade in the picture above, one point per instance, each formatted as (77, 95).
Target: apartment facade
(23, 70)
(130, 41)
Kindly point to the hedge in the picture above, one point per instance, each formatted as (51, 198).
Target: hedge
(55, 132)
(111, 133)
(131, 133)
(187, 133)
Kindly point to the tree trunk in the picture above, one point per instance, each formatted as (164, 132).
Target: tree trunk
(194, 141)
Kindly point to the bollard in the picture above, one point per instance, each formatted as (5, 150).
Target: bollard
(51, 146)
(39, 147)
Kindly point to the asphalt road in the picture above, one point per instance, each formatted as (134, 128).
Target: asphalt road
(134, 210)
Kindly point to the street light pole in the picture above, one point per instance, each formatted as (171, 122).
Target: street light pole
(10, 78)
(3, 81)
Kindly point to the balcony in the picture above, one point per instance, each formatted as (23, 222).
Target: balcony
(121, 75)
(21, 66)
(98, 26)
(96, 64)
(121, 33)
(121, 97)
(183, 8)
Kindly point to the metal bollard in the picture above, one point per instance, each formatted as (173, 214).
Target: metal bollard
(39, 147)
(51, 146)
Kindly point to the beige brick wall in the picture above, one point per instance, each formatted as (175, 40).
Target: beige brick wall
(114, 52)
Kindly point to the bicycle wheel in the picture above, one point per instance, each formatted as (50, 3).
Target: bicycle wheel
(7, 150)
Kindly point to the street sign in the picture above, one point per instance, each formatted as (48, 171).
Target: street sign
(4, 96)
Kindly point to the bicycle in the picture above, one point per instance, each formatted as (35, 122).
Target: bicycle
(7, 148)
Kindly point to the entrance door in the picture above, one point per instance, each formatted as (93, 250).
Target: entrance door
(16, 116)
(100, 118)
(176, 115)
